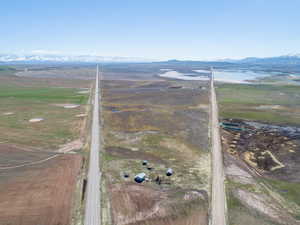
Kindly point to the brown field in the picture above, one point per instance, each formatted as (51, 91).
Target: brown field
(137, 204)
(37, 182)
(39, 194)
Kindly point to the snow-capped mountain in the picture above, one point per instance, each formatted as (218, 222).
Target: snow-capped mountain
(15, 58)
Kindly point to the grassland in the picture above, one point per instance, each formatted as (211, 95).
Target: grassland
(147, 120)
(239, 214)
(267, 103)
(289, 191)
(6, 69)
(59, 125)
(38, 184)
(262, 200)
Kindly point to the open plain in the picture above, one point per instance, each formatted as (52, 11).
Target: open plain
(166, 123)
(40, 159)
(261, 152)
(149, 124)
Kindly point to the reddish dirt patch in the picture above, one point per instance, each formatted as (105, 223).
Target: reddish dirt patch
(40, 194)
(134, 202)
(196, 217)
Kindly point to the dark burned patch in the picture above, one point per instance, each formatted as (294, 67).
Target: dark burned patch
(126, 153)
(273, 152)
(159, 84)
(121, 108)
(112, 108)
(175, 87)
(118, 83)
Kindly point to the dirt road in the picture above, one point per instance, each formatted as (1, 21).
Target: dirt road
(218, 210)
(92, 209)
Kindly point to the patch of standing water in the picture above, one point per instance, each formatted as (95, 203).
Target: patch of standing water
(234, 76)
(238, 76)
(202, 71)
(183, 76)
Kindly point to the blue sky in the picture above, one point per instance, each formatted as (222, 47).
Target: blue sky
(156, 29)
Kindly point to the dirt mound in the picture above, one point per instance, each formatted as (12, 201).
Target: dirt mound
(81, 115)
(8, 113)
(67, 106)
(83, 92)
(71, 106)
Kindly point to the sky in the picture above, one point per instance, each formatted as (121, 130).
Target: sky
(153, 29)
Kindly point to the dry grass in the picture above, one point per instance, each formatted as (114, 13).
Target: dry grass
(149, 121)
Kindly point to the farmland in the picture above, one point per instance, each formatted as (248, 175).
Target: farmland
(38, 182)
(261, 160)
(267, 103)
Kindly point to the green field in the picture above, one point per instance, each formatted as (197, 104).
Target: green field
(267, 103)
(59, 126)
(289, 191)
(239, 214)
(45, 95)
(6, 68)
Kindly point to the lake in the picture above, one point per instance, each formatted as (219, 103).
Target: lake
(237, 76)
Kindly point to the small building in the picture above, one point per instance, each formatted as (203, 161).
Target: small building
(139, 178)
(169, 172)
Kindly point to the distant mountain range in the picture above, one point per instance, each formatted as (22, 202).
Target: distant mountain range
(282, 60)
(58, 58)
(44, 58)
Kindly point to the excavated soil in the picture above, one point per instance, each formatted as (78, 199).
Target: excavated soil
(272, 152)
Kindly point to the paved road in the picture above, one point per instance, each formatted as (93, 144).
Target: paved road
(92, 208)
(218, 210)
